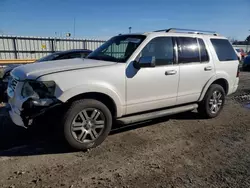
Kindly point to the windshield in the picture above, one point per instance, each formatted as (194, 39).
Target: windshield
(48, 57)
(118, 49)
(238, 50)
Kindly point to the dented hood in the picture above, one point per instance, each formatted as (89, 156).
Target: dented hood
(35, 70)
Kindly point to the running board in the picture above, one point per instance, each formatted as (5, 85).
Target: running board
(156, 114)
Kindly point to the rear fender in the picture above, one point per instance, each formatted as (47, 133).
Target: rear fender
(210, 81)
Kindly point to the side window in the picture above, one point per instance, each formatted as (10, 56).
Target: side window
(85, 55)
(188, 50)
(70, 56)
(203, 51)
(224, 50)
(162, 49)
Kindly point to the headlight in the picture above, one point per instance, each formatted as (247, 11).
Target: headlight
(38, 89)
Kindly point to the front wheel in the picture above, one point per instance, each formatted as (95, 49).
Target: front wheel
(213, 102)
(86, 124)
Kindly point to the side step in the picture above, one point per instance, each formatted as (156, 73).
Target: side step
(156, 114)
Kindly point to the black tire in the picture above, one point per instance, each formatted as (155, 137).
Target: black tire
(204, 108)
(75, 108)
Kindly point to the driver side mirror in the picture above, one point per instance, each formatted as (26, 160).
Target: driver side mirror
(145, 61)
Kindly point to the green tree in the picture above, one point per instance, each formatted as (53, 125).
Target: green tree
(248, 39)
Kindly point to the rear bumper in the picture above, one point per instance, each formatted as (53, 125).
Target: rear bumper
(234, 88)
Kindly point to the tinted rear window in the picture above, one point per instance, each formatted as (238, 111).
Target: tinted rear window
(224, 50)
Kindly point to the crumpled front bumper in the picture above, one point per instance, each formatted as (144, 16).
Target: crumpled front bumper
(15, 117)
(31, 109)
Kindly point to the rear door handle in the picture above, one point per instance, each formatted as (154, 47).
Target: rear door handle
(170, 72)
(209, 68)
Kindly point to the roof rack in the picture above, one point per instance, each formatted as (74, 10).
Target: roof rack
(194, 31)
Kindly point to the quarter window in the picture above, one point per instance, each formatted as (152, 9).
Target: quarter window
(162, 49)
(188, 50)
(224, 50)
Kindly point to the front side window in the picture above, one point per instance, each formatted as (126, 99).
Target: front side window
(224, 50)
(118, 49)
(49, 57)
(85, 55)
(188, 50)
(162, 49)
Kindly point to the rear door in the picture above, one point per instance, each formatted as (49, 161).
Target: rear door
(196, 68)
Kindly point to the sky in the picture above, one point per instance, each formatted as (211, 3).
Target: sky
(104, 18)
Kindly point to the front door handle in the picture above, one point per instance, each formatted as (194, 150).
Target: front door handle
(170, 72)
(208, 68)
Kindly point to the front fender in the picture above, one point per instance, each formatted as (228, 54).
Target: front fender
(97, 88)
(220, 75)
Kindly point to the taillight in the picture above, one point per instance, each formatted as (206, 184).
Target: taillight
(238, 72)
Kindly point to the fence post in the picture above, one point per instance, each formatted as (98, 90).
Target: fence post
(84, 44)
(15, 48)
(52, 45)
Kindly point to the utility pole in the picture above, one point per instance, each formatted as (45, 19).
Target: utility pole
(130, 28)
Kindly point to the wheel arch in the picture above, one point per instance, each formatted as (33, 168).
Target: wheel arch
(103, 93)
(220, 80)
(104, 98)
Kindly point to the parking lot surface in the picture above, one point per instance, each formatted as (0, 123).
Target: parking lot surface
(178, 151)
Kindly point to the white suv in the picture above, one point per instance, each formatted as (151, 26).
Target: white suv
(130, 78)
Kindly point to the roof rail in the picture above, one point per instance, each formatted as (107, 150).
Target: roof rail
(178, 30)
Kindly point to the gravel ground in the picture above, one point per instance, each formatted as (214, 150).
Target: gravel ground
(178, 151)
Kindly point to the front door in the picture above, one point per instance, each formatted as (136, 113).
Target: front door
(154, 87)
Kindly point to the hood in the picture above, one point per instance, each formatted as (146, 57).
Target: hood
(35, 70)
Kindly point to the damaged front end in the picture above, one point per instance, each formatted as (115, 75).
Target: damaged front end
(33, 108)
(38, 98)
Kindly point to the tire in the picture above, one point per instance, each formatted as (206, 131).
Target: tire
(81, 130)
(205, 107)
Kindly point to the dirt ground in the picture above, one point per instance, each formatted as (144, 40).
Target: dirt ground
(178, 151)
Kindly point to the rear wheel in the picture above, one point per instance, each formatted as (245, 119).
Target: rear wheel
(86, 124)
(213, 101)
